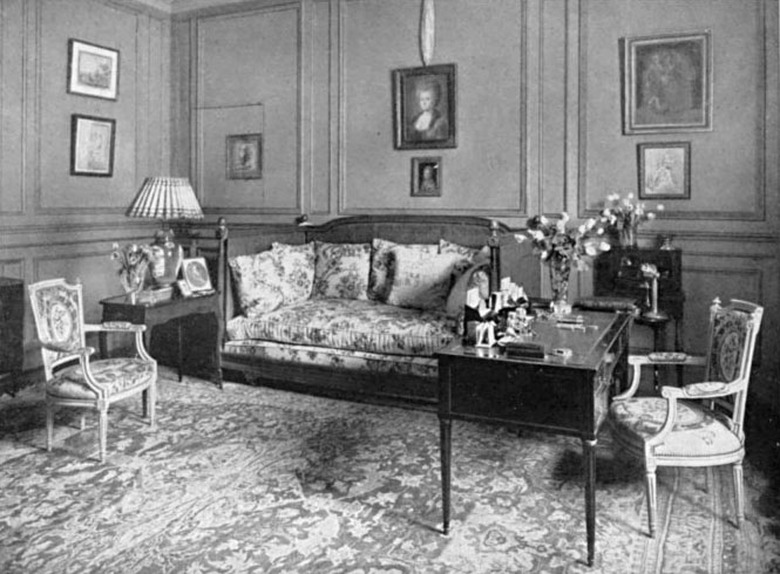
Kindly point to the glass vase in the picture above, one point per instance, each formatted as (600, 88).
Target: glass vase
(560, 269)
(628, 235)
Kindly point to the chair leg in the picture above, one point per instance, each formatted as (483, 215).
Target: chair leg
(49, 425)
(739, 493)
(151, 402)
(650, 486)
(103, 431)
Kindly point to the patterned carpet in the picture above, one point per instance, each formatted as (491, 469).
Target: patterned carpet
(256, 480)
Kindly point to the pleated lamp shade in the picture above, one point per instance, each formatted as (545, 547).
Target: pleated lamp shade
(166, 198)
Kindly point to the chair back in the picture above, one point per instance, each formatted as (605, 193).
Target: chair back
(59, 320)
(732, 341)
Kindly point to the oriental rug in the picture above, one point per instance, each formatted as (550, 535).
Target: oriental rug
(250, 479)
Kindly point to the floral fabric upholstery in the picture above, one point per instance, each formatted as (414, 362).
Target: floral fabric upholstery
(729, 331)
(696, 432)
(472, 254)
(297, 264)
(350, 324)
(380, 279)
(113, 375)
(258, 282)
(59, 321)
(422, 283)
(342, 270)
(425, 367)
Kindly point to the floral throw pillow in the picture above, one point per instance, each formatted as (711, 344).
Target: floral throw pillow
(422, 283)
(258, 282)
(474, 255)
(297, 263)
(379, 279)
(341, 270)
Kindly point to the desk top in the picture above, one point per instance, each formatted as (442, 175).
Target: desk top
(588, 343)
(125, 300)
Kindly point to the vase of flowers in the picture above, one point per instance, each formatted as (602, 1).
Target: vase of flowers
(625, 215)
(562, 248)
(133, 261)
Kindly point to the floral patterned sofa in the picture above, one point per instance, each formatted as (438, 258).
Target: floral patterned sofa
(357, 308)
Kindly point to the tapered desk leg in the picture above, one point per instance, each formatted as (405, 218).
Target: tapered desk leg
(445, 436)
(589, 462)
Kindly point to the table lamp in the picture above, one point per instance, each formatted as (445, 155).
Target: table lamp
(166, 199)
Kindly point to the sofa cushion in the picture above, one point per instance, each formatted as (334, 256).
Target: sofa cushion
(473, 254)
(478, 275)
(350, 324)
(297, 264)
(341, 270)
(258, 282)
(379, 279)
(423, 282)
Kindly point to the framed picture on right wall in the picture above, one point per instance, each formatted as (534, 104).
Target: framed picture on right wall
(664, 170)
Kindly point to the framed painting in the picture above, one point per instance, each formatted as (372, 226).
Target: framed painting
(424, 107)
(664, 170)
(92, 145)
(244, 156)
(92, 70)
(195, 274)
(667, 83)
(426, 176)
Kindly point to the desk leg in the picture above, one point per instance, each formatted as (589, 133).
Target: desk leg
(589, 462)
(445, 435)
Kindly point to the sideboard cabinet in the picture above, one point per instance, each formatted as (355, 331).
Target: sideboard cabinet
(11, 334)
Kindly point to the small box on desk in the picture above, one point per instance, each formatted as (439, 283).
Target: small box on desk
(523, 350)
(607, 303)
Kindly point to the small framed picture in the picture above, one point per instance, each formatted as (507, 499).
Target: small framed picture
(195, 274)
(427, 176)
(664, 170)
(184, 288)
(92, 70)
(424, 107)
(92, 146)
(244, 156)
(667, 83)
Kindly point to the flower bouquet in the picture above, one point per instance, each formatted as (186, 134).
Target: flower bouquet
(133, 260)
(560, 246)
(625, 215)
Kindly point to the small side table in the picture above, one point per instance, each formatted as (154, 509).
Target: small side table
(121, 308)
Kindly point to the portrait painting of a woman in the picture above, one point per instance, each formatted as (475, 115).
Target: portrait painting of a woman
(424, 102)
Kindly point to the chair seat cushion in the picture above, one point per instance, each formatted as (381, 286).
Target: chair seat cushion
(115, 375)
(698, 432)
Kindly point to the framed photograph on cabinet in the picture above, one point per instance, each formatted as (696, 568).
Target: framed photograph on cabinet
(92, 146)
(424, 107)
(664, 170)
(92, 70)
(195, 274)
(667, 83)
(426, 176)
(244, 156)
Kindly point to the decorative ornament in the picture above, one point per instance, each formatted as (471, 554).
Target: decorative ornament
(427, 33)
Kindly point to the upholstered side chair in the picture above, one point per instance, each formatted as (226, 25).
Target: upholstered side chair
(699, 424)
(73, 377)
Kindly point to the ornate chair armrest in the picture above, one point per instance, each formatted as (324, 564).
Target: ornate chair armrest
(635, 362)
(711, 389)
(114, 326)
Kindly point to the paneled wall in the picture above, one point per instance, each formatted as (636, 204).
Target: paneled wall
(55, 224)
(538, 123)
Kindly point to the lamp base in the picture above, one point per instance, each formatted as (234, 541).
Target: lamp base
(167, 256)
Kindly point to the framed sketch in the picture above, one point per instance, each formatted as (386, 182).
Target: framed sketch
(92, 145)
(92, 70)
(667, 83)
(424, 107)
(195, 274)
(664, 170)
(426, 176)
(244, 156)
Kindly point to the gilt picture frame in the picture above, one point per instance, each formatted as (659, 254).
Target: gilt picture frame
(93, 70)
(424, 107)
(92, 142)
(664, 170)
(667, 83)
(427, 176)
(244, 156)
